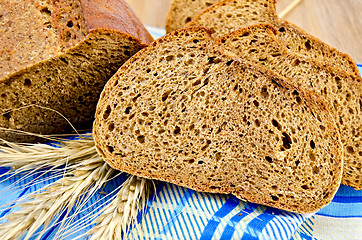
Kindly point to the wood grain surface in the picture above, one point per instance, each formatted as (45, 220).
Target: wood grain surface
(336, 22)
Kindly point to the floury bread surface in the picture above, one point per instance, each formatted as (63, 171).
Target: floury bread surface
(58, 55)
(184, 112)
(342, 91)
(230, 15)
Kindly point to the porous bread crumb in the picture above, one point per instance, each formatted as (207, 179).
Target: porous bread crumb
(342, 91)
(182, 111)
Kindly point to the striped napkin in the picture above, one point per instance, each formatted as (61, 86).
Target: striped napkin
(175, 212)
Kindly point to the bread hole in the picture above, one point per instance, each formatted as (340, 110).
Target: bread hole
(256, 103)
(338, 82)
(287, 141)
(3, 95)
(195, 40)
(127, 53)
(128, 110)
(191, 161)
(275, 123)
(27, 82)
(307, 45)
(136, 97)
(111, 127)
(188, 19)
(305, 187)
(213, 187)
(155, 74)
(274, 198)
(295, 63)
(269, 159)
(141, 139)
(229, 62)
(312, 144)
(200, 162)
(70, 24)
(170, 58)
(274, 187)
(316, 170)
(6, 115)
(252, 50)
(262, 59)
(107, 112)
(218, 156)
(312, 156)
(197, 82)
(264, 92)
(63, 60)
(276, 54)
(297, 162)
(350, 149)
(257, 122)
(213, 60)
(110, 149)
(165, 95)
(45, 10)
(177, 130)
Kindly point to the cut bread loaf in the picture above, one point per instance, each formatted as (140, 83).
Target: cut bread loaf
(342, 91)
(56, 57)
(181, 12)
(183, 111)
(230, 15)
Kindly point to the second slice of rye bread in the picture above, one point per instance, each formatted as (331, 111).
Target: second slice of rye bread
(183, 111)
(342, 91)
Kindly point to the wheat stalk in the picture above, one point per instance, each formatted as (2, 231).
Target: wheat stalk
(121, 213)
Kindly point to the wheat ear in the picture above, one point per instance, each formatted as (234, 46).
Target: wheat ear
(24, 157)
(44, 206)
(117, 217)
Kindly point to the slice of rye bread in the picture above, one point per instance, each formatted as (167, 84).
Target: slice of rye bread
(185, 112)
(230, 15)
(182, 12)
(58, 55)
(342, 91)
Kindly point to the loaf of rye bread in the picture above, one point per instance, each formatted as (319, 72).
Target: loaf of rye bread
(183, 111)
(342, 91)
(182, 12)
(55, 57)
(230, 15)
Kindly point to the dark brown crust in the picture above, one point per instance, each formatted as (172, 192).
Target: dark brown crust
(114, 14)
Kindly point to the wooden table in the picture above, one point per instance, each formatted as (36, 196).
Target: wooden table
(336, 22)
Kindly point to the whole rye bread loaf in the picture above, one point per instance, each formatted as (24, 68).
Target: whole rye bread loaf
(342, 91)
(185, 112)
(56, 56)
(230, 15)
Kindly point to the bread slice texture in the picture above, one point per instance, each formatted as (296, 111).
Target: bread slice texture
(182, 12)
(185, 112)
(56, 57)
(230, 15)
(342, 91)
